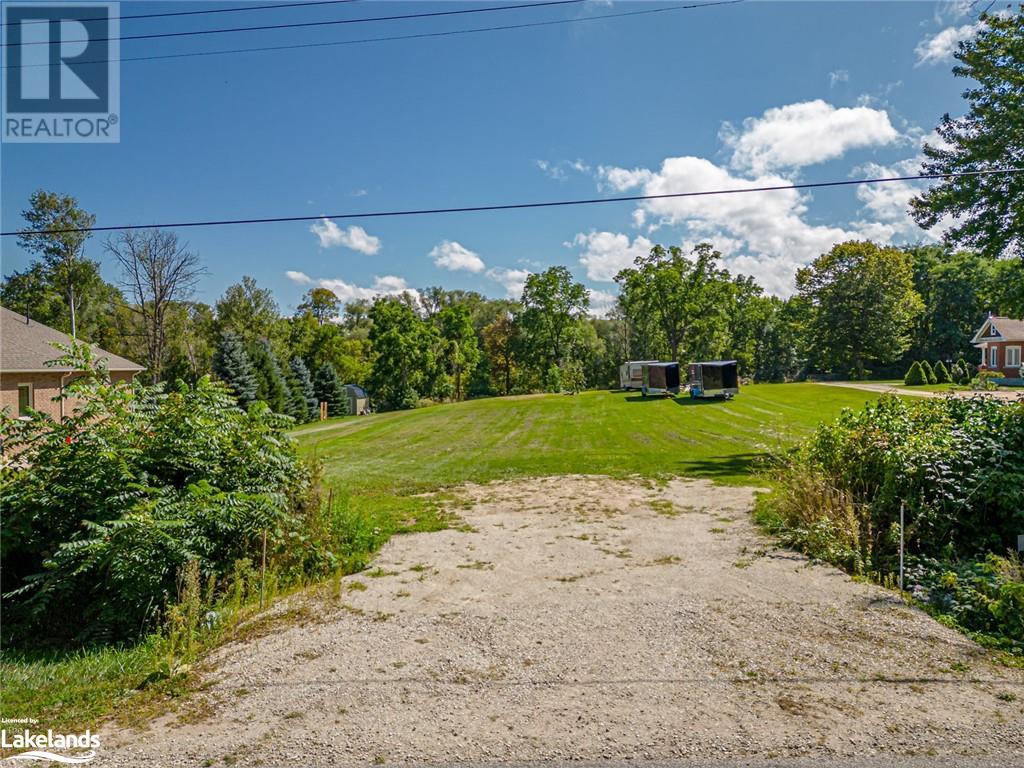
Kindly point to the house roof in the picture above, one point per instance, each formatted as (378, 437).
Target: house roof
(1008, 328)
(25, 347)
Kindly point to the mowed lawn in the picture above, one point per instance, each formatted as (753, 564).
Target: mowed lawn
(370, 458)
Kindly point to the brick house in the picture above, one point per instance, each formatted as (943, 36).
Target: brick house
(26, 382)
(1001, 340)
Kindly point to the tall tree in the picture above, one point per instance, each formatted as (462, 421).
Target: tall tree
(321, 303)
(329, 389)
(271, 386)
(864, 305)
(232, 365)
(303, 383)
(460, 352)
(552, 304)
(157, 270)
(404, 365)
(499, 347)
(247, 310)
(985, 212)
(52, 221)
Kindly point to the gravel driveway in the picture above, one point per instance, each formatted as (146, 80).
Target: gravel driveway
(592, 619)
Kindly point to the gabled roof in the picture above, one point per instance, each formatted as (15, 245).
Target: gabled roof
(1007, 328)
(25, 347)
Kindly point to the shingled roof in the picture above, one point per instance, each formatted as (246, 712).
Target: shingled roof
(25, 347)
(1008, 328)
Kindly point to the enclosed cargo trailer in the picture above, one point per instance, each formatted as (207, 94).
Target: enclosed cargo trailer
(660, 379)
(714, 378)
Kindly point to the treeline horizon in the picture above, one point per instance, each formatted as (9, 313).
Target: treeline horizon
(858, 310)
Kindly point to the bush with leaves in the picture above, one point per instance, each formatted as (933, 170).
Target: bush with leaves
(915, 376)
(104, 509)
(954, 465)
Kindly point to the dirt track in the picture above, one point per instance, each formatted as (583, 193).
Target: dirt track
(575, 620)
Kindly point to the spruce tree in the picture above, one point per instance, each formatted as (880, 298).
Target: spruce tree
(328, 389)
(929, 374)
(295, 402)
(233, 367)
(915, 376)
(270, 385)
(941, 373)
(304, 383)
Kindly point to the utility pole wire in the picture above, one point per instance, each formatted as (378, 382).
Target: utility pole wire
(517, 206)
(389, 38)
(195, 13)
(306, 24)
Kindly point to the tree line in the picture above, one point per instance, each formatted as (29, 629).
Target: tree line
(859, 309)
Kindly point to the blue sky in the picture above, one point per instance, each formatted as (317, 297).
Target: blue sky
(760, 92)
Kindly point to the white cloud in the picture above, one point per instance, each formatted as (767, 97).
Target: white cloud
(606, 253)
(764, 235)
(940, 47)
(601, 302)
(388, 285)
(514, 280)
(451, 255)
(558, 170)
(838, 76)
(804, 134)
(353, 237)
(298, 277)
(622, 179)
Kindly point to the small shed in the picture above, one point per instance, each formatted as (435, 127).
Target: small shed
(714, 378)
(357, 399)
(661, 379)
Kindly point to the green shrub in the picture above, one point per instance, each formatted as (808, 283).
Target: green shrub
(942, 373)
(915, 376)
(965, 372)
(986, 380)
(929, 374)
(104, 510)
(955, 466)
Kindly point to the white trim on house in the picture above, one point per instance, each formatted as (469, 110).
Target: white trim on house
(1014, 357)
(993, 357)
(31, 397)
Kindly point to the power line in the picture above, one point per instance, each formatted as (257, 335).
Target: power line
(307, 24)
(514, 206)
(389, 38)
(194, 13)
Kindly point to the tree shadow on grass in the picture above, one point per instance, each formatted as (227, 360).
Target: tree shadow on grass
(736, 465)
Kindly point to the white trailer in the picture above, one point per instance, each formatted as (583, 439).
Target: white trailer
(631, 374)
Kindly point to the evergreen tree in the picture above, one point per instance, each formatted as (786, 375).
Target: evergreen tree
(929, 374)
(232, 365)
(965, 372)
(295, 404)
(941, 373)
(304, 384)
(270, 384)
(328, 389)
(915, 376)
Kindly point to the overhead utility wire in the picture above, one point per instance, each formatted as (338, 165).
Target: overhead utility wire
(204, 12)
(389, 38)
(512, 206)
(307, 24)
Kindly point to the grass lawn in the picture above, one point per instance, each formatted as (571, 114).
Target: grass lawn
(379, 465)
(385, 459)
